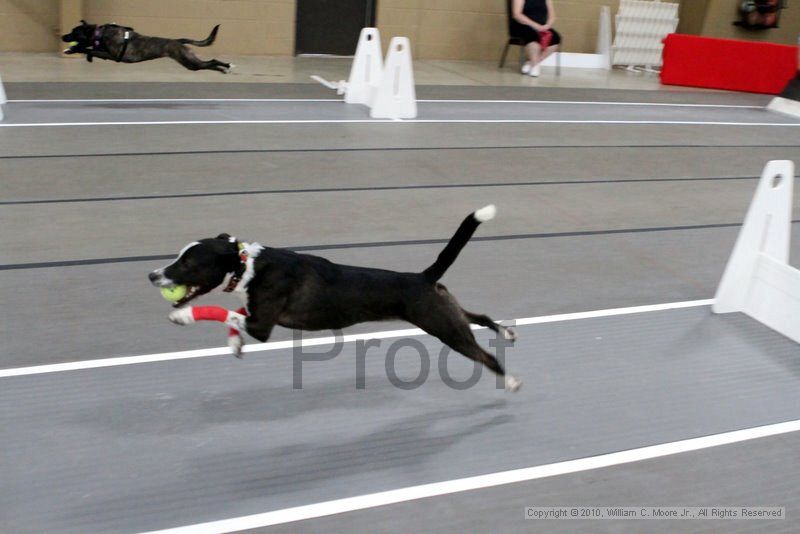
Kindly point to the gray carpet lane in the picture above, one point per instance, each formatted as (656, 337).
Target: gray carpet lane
(203, 111)
(79, 231)
(158, 445)
(242, 173)
(95, 90)
(711, 477)
(78, 313)
(144, 139)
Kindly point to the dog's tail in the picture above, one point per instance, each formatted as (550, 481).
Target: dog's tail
(457, 242)
(207, 42)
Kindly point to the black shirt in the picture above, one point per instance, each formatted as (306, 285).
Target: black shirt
(536, 10)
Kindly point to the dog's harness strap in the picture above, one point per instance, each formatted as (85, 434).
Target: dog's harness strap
(126, 40)
(237, 275)
(99, 45)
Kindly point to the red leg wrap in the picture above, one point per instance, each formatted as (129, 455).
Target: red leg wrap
(209, 313)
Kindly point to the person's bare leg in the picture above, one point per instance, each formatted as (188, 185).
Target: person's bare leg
(532, 51)
(548, 52)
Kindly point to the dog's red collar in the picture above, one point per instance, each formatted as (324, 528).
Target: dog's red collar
(240, 270)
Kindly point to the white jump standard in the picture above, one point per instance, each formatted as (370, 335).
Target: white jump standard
(758, 279)
(3, 99)
(387, 88)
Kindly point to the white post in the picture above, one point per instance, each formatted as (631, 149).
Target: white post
(396, 97)
(367, 68)
(3, 98)
(758, 279)
(604, 37)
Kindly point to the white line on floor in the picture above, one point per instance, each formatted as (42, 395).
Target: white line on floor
(312, 342)
(595, 103)
(339, 101)
(363, 502)
(392, 121)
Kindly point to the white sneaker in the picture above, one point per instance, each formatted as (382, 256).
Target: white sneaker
(526, 68)
(535, 71)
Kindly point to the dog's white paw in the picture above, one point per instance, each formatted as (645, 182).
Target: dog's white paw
(513, 384)
(236, 320)
(509, 333)
(182, 316)
(236, 342)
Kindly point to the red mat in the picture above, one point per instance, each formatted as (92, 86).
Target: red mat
(727, 64)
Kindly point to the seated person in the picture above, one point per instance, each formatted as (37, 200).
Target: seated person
(533, 23)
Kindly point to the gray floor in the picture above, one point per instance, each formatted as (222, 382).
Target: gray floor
(590, 217)
(156, 445)
(769, 466)
(335, 110)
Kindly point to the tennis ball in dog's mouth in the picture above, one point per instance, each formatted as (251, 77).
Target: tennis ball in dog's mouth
(73, 43)
(173, 294)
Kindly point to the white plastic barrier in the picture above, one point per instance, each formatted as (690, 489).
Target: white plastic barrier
(604, 40)
(396, 97)
(3, 98)
(385, 87)
(758, 279)
(599, 60)
(367, 68)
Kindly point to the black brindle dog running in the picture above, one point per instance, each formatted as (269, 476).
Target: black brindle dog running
(306, 292)
(122, 44)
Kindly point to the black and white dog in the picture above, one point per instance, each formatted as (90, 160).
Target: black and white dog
(306, 292)
(122, 44)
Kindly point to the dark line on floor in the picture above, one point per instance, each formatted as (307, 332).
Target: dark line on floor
(378, 244)
(373, 149)
(357, 189)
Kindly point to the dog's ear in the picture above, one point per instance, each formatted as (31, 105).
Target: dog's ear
(226, 237)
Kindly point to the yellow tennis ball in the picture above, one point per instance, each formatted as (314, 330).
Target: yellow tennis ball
(174, 293)
(73, 43)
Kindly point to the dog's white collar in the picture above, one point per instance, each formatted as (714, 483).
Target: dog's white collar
(253, 250)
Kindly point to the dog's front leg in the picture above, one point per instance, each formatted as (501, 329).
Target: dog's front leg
(91, 54)
(192, 314)
(235, 320)
(235, 338)
(263, 316)
(260, 328)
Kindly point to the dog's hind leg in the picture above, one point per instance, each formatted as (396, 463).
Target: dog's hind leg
(219, 66)
(460, 339)
(445, 320)
(485, 320)
(188, 59)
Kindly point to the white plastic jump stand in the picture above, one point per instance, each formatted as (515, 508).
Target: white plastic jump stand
(367, 68)
(758, 279)
(396, 97)
(3, 99)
